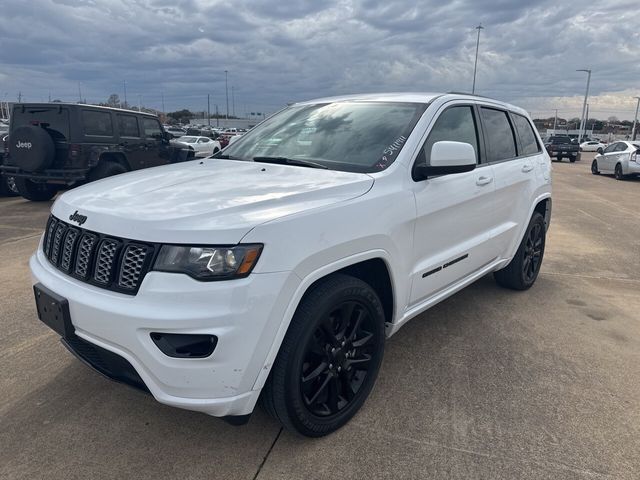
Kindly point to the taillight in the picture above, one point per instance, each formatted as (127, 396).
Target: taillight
(74, 151)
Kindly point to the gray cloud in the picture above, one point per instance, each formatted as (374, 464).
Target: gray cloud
(277, 52)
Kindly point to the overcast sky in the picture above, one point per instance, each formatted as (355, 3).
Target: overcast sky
(279, 51)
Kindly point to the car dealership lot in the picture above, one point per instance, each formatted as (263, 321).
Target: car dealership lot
(488, 384)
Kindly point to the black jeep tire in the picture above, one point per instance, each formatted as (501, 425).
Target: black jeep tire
(5, 186)
(36, 192)
(38, 151)
(594, 167)
(104, 169)
(572, 159)
(522, 271)
(329, 359)
(559, 158)
(618, 172)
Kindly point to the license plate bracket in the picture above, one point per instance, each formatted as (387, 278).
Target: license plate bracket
(53, 310)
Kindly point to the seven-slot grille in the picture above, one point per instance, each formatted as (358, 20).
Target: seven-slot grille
(117, 264)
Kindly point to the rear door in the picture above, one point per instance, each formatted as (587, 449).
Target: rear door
(517, 158)
(454, 212)
(131, 141)
(607, 161)
(156, 148)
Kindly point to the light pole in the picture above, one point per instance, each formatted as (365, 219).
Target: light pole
(635, 121)
(584, 105)
(555, 122)
(226, 88)
(475, 65)
(233, 100)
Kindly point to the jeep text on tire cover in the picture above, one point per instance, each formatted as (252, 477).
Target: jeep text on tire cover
(279, 267)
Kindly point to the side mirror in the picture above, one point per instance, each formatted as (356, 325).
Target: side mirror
(447, 158)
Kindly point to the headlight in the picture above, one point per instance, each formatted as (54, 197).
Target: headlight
(208, 263)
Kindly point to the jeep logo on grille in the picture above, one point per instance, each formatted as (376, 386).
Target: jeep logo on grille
(26, 145)
(76, 217)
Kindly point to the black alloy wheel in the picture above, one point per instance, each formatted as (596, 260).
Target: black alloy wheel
(337, 359)
(522, 271)
(533, 253)
(329, 359)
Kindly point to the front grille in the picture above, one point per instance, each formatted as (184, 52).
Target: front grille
(118, 264)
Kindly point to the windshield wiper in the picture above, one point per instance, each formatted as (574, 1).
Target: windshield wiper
(290, 161)
(225, 157)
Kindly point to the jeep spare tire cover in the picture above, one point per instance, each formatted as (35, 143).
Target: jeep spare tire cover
(31, 148)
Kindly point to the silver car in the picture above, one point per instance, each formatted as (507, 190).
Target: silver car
(619, 158)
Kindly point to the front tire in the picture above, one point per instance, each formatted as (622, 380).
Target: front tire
(522, 271)
(329, 359)
(36, 192)
(594, 168)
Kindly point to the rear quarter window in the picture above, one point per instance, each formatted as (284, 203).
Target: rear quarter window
(97, 123)
(528, 142)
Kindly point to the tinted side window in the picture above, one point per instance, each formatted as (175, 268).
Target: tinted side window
(97, 123)
(151, 128)
(611, 148)
(455, 124)
(621, 147)
(128, 126)
(499, 134)
(528, 143)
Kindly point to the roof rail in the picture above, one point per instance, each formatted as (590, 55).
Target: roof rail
(467, 93)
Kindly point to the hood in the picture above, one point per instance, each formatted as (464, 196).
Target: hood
(209, 201)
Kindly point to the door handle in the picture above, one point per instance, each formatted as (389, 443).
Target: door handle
(527, 168)
(484, 181)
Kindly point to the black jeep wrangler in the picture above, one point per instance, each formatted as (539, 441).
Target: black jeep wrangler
(57, 145)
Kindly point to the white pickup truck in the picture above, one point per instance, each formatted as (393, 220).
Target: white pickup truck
(279, 269)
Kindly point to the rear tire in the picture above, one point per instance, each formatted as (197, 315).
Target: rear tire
(329, 359)
(36, 192)
(594, 168)
(522, 271)
(572, 159)
(559, 158)
(618, 172)
(106, 169)
(7, 186)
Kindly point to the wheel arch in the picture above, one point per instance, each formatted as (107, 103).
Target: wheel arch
(372, 267)
(115, 157)
(542, 204)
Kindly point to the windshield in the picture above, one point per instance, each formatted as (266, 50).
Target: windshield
(350, 136)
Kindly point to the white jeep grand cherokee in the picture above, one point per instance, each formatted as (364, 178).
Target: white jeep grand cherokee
(279, 268)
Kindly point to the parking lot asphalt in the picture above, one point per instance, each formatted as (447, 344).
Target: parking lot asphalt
(488, 384)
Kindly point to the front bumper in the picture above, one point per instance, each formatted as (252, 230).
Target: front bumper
(244, 314)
